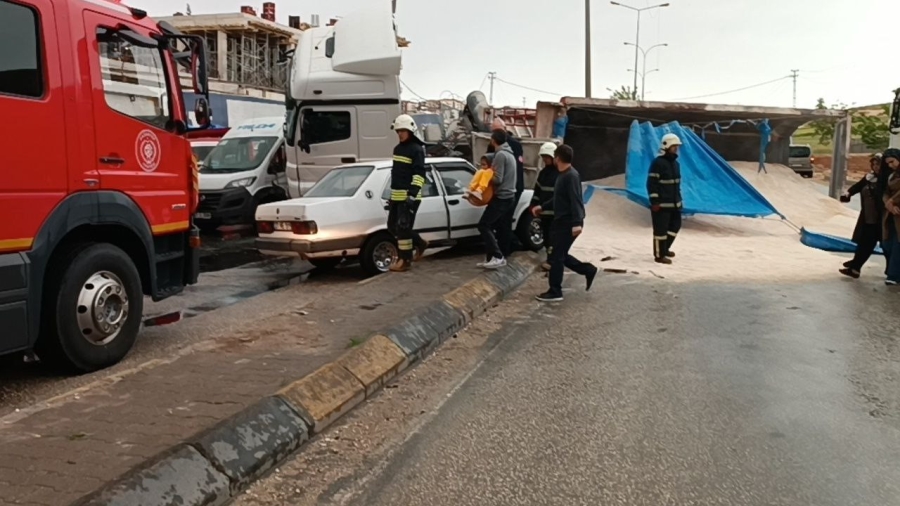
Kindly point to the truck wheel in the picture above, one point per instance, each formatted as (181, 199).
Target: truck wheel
(529, 231)
(378, 254)
(93, 309)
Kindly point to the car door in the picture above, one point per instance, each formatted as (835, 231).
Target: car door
(432, 223)
(455, 179)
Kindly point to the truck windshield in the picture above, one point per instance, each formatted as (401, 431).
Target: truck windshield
(800, 152)
(201, 152)
(342, 182)
(239, 155)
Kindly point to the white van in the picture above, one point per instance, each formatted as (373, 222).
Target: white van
(245, 169)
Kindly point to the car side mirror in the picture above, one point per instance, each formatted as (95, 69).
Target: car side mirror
(201, 113)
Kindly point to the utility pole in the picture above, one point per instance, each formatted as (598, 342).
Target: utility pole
(587, 48)
(644, 73)
(794, 75)
(637, 41)
(492, 76)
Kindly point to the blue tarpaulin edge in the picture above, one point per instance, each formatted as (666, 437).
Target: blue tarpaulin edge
(829, 243)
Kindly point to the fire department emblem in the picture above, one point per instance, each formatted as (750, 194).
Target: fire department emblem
(147, 151)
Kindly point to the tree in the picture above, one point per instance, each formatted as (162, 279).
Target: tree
(624, 93)
(872, 129)
(824, 128)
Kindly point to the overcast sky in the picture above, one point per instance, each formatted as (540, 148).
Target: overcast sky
(846, 50)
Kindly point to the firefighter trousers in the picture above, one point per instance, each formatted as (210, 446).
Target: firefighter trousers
(401, 219)
(666, 225)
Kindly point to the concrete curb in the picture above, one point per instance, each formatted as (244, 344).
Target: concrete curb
(212, 468)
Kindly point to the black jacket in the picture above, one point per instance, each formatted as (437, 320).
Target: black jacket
(872, 203)
(664, 182)
(408, 172)
(543, 188)
(567, 203)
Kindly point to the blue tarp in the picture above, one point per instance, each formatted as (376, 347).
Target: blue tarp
(709, 184)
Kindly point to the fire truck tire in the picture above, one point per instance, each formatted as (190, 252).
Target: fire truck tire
(93, 309)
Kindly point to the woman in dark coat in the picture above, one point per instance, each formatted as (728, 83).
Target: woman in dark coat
(891, 231)
(867, 234)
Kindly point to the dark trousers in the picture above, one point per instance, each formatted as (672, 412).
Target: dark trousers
(401, 220)
(546, 231)
(496, 217)
(866, 237)
(666, 225)
(509, 242)
(892, 251)
(561, 241)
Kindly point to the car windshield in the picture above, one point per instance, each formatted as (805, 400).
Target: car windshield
(238, 155)
(800, 152)
(341, 182)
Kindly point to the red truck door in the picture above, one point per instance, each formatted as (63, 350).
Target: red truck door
(138, 151)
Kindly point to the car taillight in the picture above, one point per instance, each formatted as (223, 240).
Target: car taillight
(304, 227)
(265, 227)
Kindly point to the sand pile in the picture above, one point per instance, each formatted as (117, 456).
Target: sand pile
(716, 247)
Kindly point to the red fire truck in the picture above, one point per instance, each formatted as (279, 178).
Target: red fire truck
(98, 187)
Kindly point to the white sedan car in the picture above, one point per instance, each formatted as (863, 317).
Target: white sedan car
(344, 216)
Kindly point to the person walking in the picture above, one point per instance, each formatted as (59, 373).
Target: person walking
(567, 205)
(510, 242)
(867, 233)
(496, 215)
(891, 222)
(543, 192)
(664, 190)
(407, 180)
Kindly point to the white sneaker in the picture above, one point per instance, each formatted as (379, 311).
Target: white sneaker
(495, 263)
(889, 282)
(481, 265)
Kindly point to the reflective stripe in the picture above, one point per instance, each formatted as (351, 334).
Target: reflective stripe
(403, 159)
(654, 195)
(548, 213)
(653, 174)
(405, 244)
(673, 234)
(16, 244)
(669, 205)
(418, 181)
(170, 227)
(660, 237)
(669, 181)
(547, 188)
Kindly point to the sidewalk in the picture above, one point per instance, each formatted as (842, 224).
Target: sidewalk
(62, 451)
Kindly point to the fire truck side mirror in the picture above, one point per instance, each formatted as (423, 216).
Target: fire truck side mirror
(201, 113)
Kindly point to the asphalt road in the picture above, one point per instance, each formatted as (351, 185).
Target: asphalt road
(648, 393)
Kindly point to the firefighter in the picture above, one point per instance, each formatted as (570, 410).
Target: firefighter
(407, 180)
(543, 192)
(664, 190)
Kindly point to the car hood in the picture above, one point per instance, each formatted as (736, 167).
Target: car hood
(304, 208)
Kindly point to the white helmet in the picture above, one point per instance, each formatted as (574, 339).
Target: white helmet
(405, 122)
(670, 140)
(548, 149)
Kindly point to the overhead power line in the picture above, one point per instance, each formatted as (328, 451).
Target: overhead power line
(411, 91)
(737, 90)
(530, 88)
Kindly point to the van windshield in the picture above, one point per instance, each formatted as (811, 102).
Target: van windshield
(239, 154)
(342, 182)
(800, 152)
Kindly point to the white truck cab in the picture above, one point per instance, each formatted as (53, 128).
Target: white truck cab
(245, 169)
(343, 94)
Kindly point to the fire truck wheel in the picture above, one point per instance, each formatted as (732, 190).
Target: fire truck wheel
(94, 311)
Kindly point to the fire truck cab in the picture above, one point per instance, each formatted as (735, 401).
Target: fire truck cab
(97, 181)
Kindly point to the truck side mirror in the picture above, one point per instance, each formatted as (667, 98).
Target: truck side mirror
(278, 165)
(201, 113)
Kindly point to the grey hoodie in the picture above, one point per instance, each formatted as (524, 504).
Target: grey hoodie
(504, 173)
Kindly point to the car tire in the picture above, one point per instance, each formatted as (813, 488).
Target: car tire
(92, 279)
(529, 232)
(373, 257)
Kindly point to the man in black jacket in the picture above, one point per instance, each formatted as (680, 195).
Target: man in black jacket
(664, 190)
(567, 205)
(407, 180)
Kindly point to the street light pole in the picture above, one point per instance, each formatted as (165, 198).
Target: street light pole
(587, 48)
(637, 41)
(644, 73)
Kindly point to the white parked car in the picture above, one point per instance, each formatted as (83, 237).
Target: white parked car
(344, 216)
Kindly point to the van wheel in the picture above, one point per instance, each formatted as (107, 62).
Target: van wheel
(529, 231)
(93, 307)
(378, 254)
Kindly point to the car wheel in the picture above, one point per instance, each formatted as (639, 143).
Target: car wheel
(93, 309)
(378, 254)
(529, 231)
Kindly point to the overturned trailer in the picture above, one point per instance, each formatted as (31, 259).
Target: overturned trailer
(598, 129)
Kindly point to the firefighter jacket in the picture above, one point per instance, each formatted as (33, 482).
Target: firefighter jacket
(664, 182)
(543, 188)
(408, 172)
